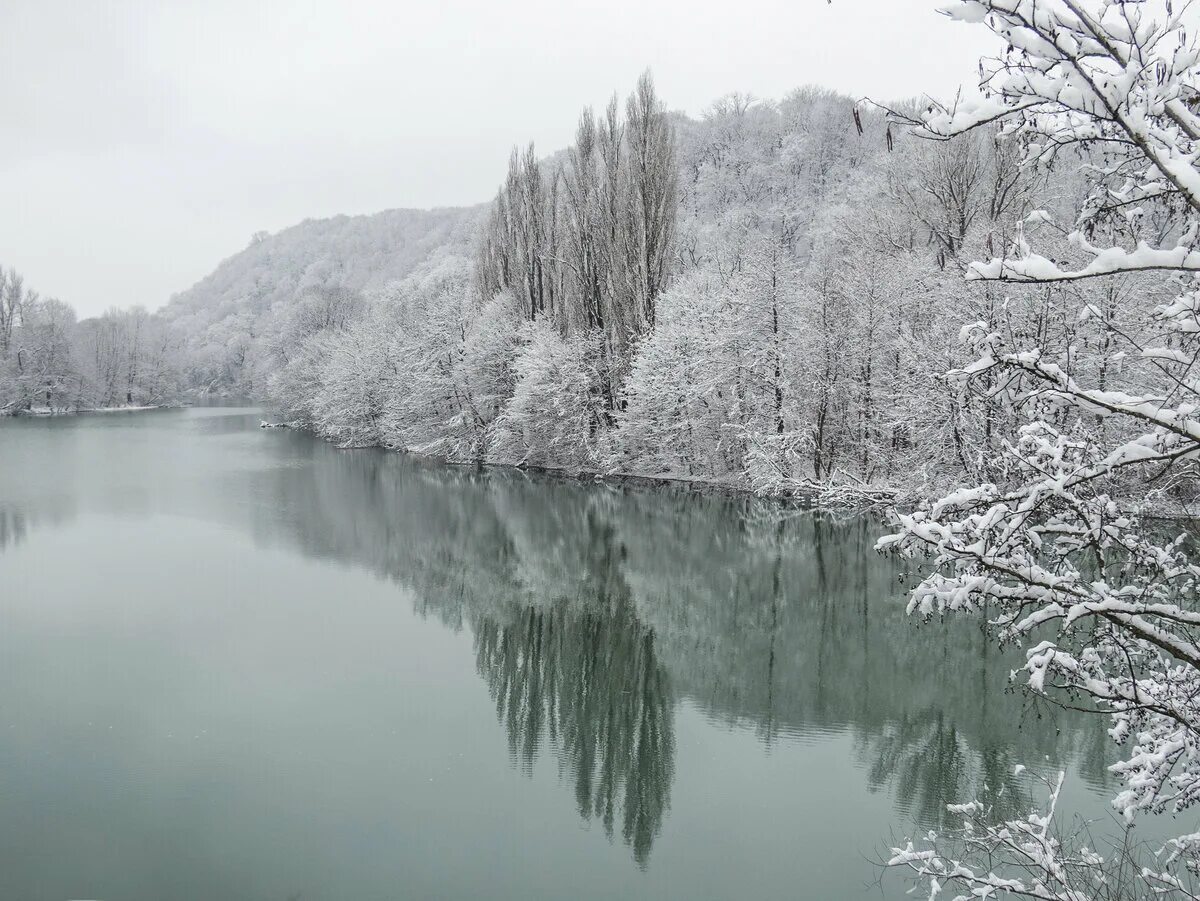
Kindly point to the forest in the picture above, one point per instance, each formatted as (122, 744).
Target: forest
(52, 362)
(765, 297)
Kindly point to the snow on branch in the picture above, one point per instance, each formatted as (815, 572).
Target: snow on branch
(1040, 856)
(1052, 552)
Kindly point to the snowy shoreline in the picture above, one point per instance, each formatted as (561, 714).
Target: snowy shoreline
(830, 499)
(47, 411)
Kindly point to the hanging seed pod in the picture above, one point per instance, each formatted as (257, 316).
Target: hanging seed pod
(857, 120)
(890, 142)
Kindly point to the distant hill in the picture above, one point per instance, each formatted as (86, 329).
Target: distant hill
(218, 318)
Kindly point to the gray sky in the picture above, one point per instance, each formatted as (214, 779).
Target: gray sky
(145, 141)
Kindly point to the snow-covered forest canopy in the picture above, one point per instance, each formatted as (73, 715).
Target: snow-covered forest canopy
(759, 297)
(51, 361)
(766, 296)
(210, 338)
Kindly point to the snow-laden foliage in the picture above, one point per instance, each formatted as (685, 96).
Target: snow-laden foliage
(1050, 548)
(804, 278)
(228, 320)
(1043, 857)
(687, 393)
(763, 298)
(49, 361)
(717, 377)
(555, 413)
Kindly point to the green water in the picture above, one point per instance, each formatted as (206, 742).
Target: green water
(242, 664)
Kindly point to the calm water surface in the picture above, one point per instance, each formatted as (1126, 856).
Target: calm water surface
(242, 664)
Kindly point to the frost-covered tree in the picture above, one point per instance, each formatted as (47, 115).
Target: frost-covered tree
(653, 177)
(435, 404)
(303, 338)
(354, 384)
(127, 357)
(519, 248)
(589, 242)
(46, 373)
(717, 378)
(50, 361)
(1053, 551)
(555, 414)
(12, 302)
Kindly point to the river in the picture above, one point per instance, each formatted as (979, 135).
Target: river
(240, 663)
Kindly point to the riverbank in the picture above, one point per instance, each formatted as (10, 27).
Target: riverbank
(810, 496)
(124, 408)
(845, 496)
(841, 496)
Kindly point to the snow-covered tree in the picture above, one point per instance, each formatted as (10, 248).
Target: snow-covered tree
(555, 414)
(304, 335)
(127, 357)
(47, 372)
(1053, 551)
(589, 242)
(430, 407)
(12, 302)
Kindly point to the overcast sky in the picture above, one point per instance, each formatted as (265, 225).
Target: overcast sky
(144, 142)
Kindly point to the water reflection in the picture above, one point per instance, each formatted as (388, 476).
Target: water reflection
(596, 610)
(589, 683)
(13, 527)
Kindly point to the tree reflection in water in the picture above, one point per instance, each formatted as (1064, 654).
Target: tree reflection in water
(582, 675)
(596, 609)
(589, 684)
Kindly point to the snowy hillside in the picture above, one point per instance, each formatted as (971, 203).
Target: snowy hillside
(221, 315)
